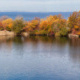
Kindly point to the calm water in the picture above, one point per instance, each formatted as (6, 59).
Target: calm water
(39, 58)
(31, 15)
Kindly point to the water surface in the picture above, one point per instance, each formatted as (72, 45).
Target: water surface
(39, 58)
(31, 15)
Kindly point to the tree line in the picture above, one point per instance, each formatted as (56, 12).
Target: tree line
(52, 25)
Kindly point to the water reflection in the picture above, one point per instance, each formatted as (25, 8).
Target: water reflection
(39, 58)
(74, 49)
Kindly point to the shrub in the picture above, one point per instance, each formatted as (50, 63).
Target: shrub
(18, 25)
(63, 31)
(8, 23)
(57, 34)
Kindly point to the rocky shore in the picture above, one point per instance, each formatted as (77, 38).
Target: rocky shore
(7, 33)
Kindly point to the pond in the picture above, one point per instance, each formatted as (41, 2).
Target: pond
(39, 58)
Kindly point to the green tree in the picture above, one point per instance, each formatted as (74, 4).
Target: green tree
(18, 25)
(63, 31)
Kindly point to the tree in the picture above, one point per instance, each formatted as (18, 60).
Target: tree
(43, 25)
(32, 25)
(72, 21)
(18, 25)
(1, 26)
(63, 31)
(7, 24)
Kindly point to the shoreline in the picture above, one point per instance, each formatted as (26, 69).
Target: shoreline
(53, 25)
(25, 34)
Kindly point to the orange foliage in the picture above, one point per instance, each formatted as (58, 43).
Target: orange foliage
(78, 33)
(43, 24)
(1, 25)
(76, 27)
(32, 25)
(74, 19)
(50, 25)
(7, 23)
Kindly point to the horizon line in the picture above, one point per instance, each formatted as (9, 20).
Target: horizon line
(38, 11)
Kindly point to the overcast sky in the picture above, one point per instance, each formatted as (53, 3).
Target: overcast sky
(40, 5)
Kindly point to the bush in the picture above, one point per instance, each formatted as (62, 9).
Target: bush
(57, 34)
(63, 31)
(18, 25)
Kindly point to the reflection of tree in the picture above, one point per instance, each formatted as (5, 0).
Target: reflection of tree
(46, 45)
(18, 46)
(46, 39)
(75, 42)
(6, 42)
(18, 40)
(42, 45)
(74, 49)
(62, 41)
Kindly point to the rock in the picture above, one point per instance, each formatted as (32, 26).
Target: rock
(25, 34)
(7, 33)
(73, 35)
(10, 33)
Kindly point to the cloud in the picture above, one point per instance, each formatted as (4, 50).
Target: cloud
(39, 5)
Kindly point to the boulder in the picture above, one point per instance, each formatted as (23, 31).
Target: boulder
(25, 34)
(7, 33)
(73, 35)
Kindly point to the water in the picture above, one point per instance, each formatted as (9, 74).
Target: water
(31, 15)
(39, 58)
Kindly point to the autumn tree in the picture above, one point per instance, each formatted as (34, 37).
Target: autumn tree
(1, 26)
(7, 24)
(32, 26)
(74, 17)
(18, 25)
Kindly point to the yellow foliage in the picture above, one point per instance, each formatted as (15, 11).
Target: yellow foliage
(7, 23)
(43, 24)
(57, 34)
(78, 33)
(55, 21)
(76, 27)
(49, 30)
(32, 25)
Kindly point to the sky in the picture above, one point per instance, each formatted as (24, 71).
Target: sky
(39, 5)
